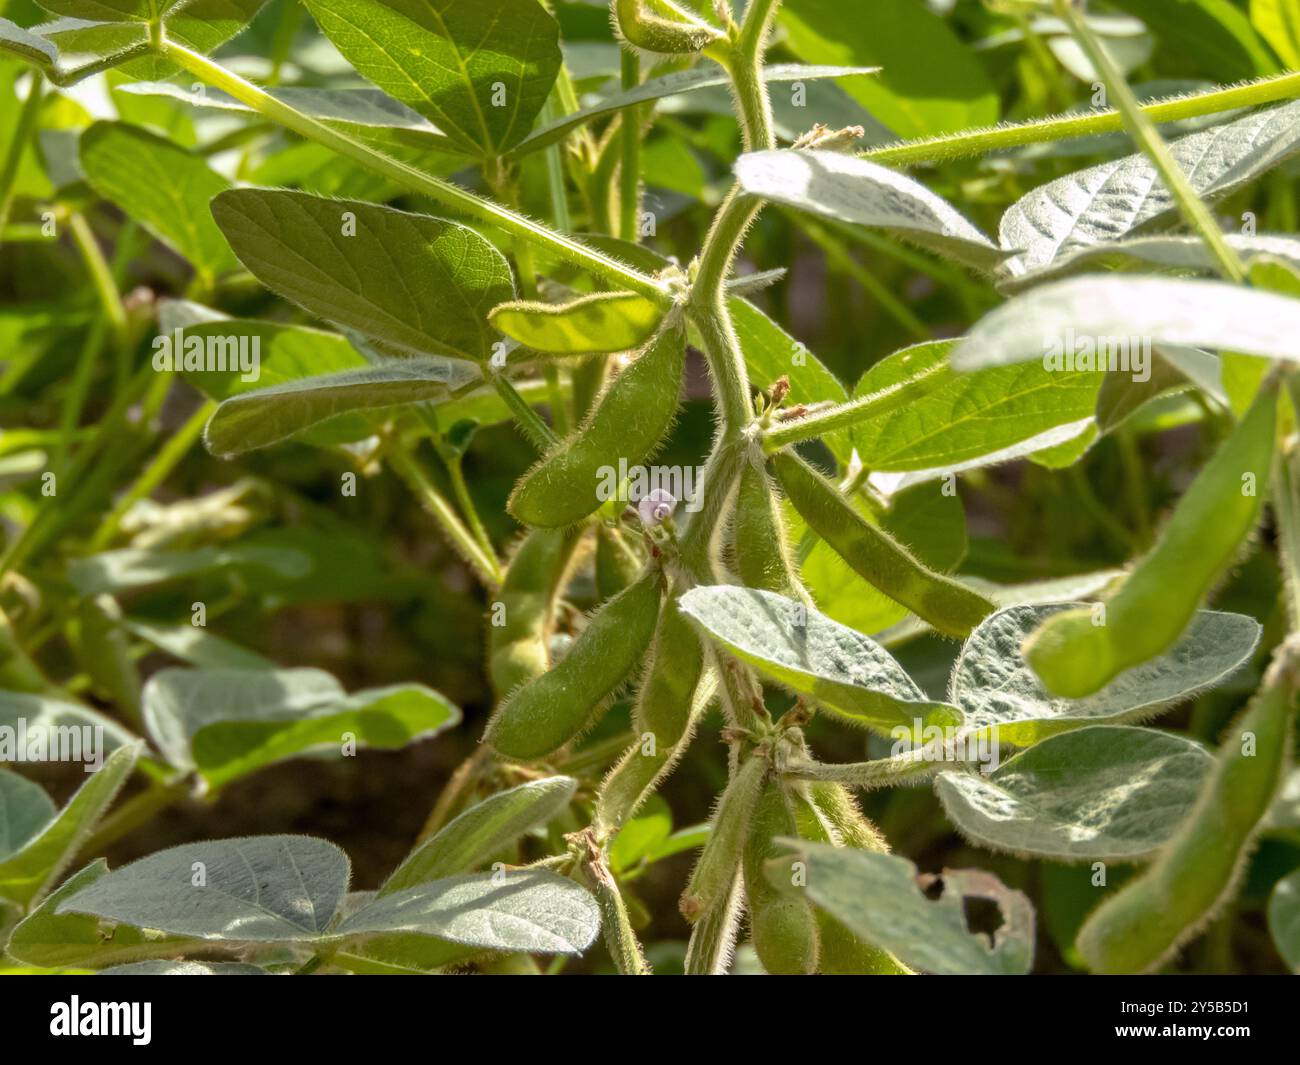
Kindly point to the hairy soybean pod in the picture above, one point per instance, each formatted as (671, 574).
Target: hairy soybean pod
(546, 713)
(1074, 656)
(826, 813)
(950, 607)
(629, 420)
(660, 26)
(663, 705)
(715, 872)
(1136, 929)
(782, 923)
(674, 693)
(518, 647)
(759, 541)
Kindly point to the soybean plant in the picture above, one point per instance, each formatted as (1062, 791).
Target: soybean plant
(644, 632)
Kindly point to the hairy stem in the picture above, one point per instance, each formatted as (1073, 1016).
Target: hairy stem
(167, 459)
(1152, 145)
(862, 409)
(1043, 131)
(629, 174)
(445, 194)
(485, 567)
(539, 434)
(14, 153)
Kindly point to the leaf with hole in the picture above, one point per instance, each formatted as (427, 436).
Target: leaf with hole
(881, 899)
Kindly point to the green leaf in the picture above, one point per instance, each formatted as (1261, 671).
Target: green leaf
(179, 702)
(163, 187)
(201, 25)
(359, 111)
(1173, 253)
(1107, 202)
(641, 836)
(117, 35)
(929, 83)
(1119, 318)
(28, 46)
(54, 940)
(674, 84)
(1106, 792)
(131, 567)
(45, 726)
(378, 718)
(483, 831)
(196, 646)
(880, 899)
(1284, 919)
(1212, 33)
(771, 353)
(848, 189)
(257, 889)
(480, 72)
(1121, 397)
(526, 910)
(966, 418)
(1278, 22)
(269, 415)
(421, 285)
(810, 654)
(361, 106)
(82, 48)
(598, 323)
(109, 10)
(24, 810)
(285, 353)
(996, 689)
(28, 873)
(185, 968)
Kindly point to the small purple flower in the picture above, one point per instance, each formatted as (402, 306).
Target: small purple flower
(656, 507)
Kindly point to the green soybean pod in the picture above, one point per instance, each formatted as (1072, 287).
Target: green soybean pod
(631, 417)
(949, 606)
(649, 759)
(617, 562)
(663, 705)
(518, 646)
(660, 26)
(782, 923)
(1074, 656)
(1140, 926)
(714, 876)
(546, 713)
(826, 813)
(759, 541)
